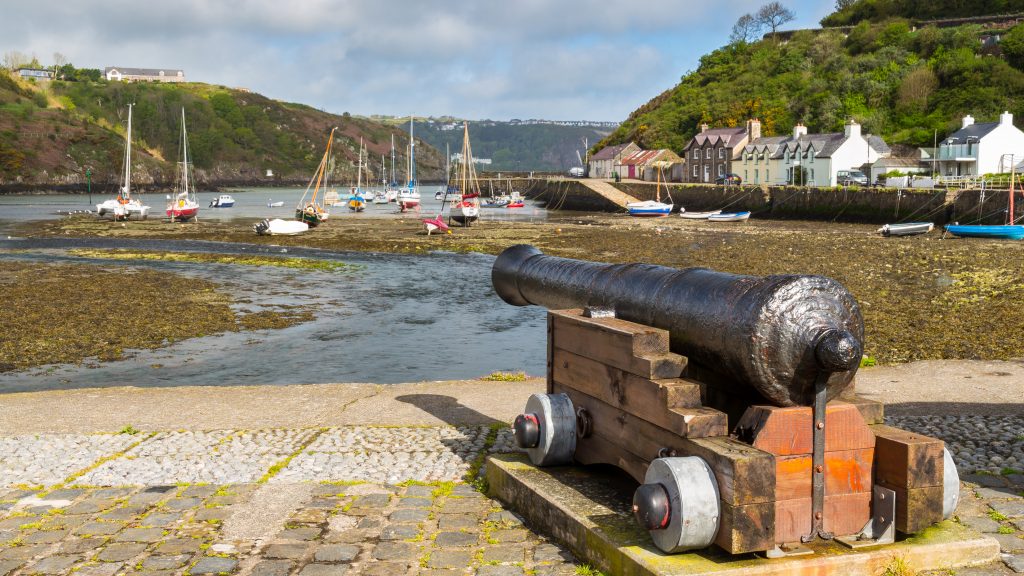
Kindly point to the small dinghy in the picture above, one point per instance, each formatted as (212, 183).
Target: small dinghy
(277, 204)
(279, 227)
(729, 217)
(698, 215)
(907, 229)
(435, 223)
(996, 232)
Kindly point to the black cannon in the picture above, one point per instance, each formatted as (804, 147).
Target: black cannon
(729, 398)
(776, 334)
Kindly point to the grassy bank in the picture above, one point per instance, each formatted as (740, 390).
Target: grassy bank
(922, 298)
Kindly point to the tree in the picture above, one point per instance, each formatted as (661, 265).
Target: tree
(773, 15)
(745, 29)
(14, 60)
(844, 4)
(1013, 46)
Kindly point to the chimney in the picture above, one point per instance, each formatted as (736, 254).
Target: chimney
(1006, 118)
(968, 121)
(703, 127)
(799, 130)
(852, 129)
(753, 129)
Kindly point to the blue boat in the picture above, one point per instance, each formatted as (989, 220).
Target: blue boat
(998, 232)
(649, 208)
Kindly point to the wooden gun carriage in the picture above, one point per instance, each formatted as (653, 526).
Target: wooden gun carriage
(729, 398)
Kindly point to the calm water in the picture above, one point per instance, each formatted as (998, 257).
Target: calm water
(250, 203)
(393, 318)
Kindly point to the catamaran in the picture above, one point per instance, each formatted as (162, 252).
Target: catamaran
(124, 206)
(183, 205)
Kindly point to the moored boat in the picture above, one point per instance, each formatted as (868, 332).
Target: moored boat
(652, 208)
(314, 212)
(183, 206)
(906, 229)
(698, 215)
(435, 223)
(409, 197)
(996, 232)
(124, 205)
(729, 217)
(279, 227)
(271, 204)
(467, 210)
(222, 201)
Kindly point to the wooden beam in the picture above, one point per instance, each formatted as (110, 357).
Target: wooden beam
(628, 346)
(846, 472)
(788, 431)
(844, 514)
(907, 459)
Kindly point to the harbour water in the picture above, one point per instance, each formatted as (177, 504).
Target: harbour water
(250, 203)
(387, 319)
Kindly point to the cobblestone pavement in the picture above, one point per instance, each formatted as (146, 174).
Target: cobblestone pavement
(313, 502)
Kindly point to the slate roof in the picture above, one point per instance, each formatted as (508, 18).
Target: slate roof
(610, 152)
(142, 71)
(765, 143)
(714, 135)
(825, 144)
(974, 131)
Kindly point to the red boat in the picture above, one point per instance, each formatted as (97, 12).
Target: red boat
(516, 204)
(435, 223)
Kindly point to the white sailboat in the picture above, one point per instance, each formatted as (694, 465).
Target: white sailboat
(391, 190)
(467, 210)
(123, 206)
(409, 197)
(380, 196)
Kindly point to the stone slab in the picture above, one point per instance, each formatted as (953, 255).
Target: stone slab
(587, 509)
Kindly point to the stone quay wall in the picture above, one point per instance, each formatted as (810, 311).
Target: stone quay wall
(841, 204)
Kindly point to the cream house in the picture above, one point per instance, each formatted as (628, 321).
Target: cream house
(116, 74)
(981, 148)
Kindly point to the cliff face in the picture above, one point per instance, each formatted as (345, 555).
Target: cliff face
(52, 132)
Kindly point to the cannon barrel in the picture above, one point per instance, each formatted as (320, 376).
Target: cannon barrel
(776, 334)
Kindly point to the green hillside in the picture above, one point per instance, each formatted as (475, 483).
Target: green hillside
(51, 132)
(903, 84)
(877, 10)
(512, 146)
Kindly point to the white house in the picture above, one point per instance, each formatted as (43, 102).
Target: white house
(981, 148)
(808, 159)
(117, 74)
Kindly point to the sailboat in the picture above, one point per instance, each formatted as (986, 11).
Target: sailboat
(391, 190)
(655, 207)
(467, 210)
(1009, 231)
(123, 206)
(183, 205)
(314, 212)
(357, 200)
(409, 197)
(380, 196)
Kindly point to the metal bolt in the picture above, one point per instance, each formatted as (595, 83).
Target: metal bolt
(821, 425)
(818, 515)
(818, 469)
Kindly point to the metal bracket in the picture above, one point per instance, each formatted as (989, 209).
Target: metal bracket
(598, 312)
(787, 550)
(881, 528)
(818, 461)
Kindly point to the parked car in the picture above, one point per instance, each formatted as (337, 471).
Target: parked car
(729, 179)
(576, 172)
(851, 178)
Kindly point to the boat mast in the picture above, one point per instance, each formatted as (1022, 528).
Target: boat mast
(359, 175)
(393, 159)
(184, 153)
(1012, 175)
(126, 192)
(412, 155)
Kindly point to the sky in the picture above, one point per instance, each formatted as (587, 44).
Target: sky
(480, 59)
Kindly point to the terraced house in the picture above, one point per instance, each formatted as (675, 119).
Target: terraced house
(808, 159)
(710, 153)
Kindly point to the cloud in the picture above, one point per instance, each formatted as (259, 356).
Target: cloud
(529, 58)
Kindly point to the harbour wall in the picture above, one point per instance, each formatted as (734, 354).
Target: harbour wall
(844, 204)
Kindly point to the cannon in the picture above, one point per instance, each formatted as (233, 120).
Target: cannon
(729, 398)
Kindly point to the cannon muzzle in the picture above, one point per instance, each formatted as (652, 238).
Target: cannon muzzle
(776, 334)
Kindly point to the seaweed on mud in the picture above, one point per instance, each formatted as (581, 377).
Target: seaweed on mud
(922, 297)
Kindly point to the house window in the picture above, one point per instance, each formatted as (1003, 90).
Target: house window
(756, 181)
(721, 169)
(708, 154)
(746, 175)
(694, 170)
(767, 176)
(721, 153)
(696, 155)
(812, 174)
(810, 153)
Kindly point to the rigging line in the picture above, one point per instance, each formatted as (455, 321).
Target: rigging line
(925, 207)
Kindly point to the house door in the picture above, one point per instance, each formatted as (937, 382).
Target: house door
(707, 173)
